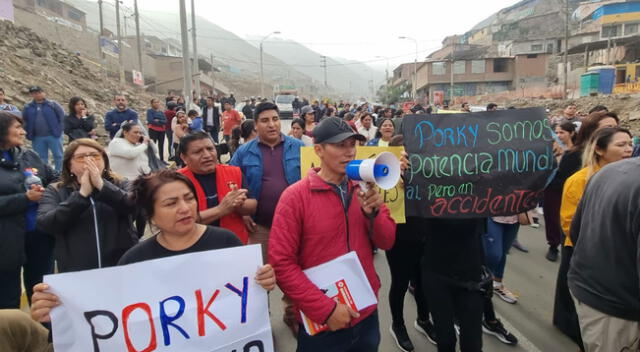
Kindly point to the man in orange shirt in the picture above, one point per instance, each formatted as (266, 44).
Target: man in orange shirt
(230, 119)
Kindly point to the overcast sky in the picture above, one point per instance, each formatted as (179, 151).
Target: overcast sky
(351, 29)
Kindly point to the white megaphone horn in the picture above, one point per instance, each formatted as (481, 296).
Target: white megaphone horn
(383, 170)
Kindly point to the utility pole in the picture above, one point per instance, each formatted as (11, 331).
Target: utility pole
(566, 48)
(100, 53)
(262, 64)
(453, 53)
(323, 59)
(119, 35)
(186, 64)
(138, 41)
(196, 68)
(415, 68)
(213, 81)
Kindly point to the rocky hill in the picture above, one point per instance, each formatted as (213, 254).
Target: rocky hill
(28, 59)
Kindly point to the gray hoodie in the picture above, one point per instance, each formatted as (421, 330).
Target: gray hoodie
(605, 261)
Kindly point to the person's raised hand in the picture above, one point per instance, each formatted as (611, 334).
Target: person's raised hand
(42, 302)
(341, 317)
(404, 161)
(94, 174)
(85, 184)
(266, 277)
(370, 200)
(228, 203)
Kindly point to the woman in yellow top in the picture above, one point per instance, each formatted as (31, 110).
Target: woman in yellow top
(607, 145)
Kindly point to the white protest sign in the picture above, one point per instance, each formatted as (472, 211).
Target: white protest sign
(344, 280)
(205, 301)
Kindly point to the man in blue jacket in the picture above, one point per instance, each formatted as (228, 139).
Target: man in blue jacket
(44, 124)
(270, 163)
(114, 118)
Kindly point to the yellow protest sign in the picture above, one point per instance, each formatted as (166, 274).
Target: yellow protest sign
(393, 198)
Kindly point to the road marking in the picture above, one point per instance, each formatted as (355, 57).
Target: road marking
(523, 342)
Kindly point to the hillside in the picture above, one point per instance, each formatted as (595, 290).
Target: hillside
(28, 59)
(239, 56)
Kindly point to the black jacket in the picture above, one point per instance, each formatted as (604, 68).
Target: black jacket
(77, 128)
(14, 202)
(247, 110)
(70, 217)
(206, 118)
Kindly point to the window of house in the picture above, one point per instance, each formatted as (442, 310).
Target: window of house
(42, 3)
(536, 47)
(500, 65)
(609, 31)
(477, 66)
(630, 28)
(459, 67)
(532, 56)
(550, 47)
(75, 15)
(438, 68)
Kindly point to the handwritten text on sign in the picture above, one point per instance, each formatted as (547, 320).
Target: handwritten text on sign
(480, 164)
(393, 198)
(206, 301)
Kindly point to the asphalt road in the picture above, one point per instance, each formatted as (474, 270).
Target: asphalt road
(528, 274)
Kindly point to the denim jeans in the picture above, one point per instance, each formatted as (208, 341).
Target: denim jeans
(42, 146)
(497, 242)
(363, 337)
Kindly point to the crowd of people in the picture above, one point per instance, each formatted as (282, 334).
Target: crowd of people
(95, 207)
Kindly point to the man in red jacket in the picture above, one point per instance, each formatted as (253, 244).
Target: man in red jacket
(221, 189)
(318, 219)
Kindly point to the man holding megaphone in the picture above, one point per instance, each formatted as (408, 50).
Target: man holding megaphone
(319, 219)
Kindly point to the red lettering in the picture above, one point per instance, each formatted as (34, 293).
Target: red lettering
(202, 311)
(449, 207)
(494, 205)
(462, 209)
(125, 318)
(439, 203)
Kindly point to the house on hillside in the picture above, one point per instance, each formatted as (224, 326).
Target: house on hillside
(471, 76)
(610, 35)
(56, 11)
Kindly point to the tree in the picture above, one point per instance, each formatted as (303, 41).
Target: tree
(393, 94)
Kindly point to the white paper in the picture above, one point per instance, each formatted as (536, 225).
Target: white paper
(348, 268)
(151, 282)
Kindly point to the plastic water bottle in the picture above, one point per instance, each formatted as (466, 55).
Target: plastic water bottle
(31, 179)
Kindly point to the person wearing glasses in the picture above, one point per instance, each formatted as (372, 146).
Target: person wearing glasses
(21, 244)
(87, 211)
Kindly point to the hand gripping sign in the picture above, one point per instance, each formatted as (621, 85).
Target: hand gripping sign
(205, 301)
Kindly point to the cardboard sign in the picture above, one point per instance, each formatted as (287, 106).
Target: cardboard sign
(481, 164)
(205, 301)
(393, 198)
(343, 279)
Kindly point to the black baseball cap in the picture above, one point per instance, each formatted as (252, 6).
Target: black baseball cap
(34, 89)
(334, 130)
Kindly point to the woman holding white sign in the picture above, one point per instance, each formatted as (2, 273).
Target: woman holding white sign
(168, 199)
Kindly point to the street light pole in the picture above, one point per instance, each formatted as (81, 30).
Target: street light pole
(186, 60)
(386, 71)
(415, 68)
(262, 64)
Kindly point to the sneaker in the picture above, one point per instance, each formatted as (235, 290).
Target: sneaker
(400, 336)
(535, 223)
(552, 254)
(504, 293)
(517, 245)
(427, 329)
(497, 329)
